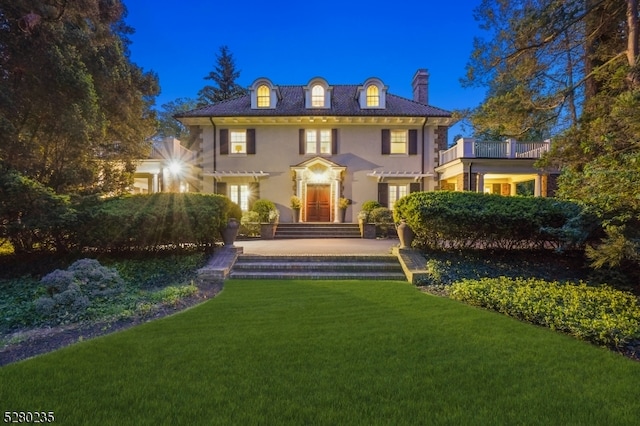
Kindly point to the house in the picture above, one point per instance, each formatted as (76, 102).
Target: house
(169, 168)
(320, 142)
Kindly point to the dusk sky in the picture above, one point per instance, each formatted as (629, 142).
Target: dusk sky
(344, 42)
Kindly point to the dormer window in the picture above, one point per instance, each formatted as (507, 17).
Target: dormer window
(317, 96)
(373, 96)
(264, 96)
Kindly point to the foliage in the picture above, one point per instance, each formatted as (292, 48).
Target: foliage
(70, 292)
(32, 216)
(602, 315)
(383, 218)
(343, 203)
(295, 202)
(75, 111)
(475, 220)
(250, 224)
(233, 210)
(169, 126)
(369, 205)
(266, 209)
(224, 76)
(155, 221)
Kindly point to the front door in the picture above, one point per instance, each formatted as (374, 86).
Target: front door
(318, 203)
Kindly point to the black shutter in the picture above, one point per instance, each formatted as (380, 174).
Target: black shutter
(413, 142)
(386, 142)
(414, 187)
(301, 142)
(334, 141)
(221, 188)
(224, 141)
(251, 141)
(383, 194)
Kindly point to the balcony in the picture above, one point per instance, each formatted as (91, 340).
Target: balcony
(471, 148)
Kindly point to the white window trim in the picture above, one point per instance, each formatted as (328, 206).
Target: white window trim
(232, 151)
(406, 143)
(318, 142)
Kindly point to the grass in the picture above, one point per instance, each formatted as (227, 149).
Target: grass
(328, 352)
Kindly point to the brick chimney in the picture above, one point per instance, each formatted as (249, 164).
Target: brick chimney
(420, 85)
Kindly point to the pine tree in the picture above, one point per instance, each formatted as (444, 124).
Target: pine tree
(224, 76)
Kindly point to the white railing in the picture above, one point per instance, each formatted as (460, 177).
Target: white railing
(470, 148)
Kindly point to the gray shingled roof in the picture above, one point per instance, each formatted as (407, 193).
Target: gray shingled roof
(343, 103)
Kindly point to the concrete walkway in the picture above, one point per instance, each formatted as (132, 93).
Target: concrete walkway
(318, 246)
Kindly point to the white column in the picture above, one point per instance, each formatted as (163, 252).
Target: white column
(154, 186)
(513, 188)
(537, 191)
(480, 182)
(299, 192)
(336, 200)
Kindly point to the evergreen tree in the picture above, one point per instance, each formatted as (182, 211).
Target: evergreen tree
(224, 77)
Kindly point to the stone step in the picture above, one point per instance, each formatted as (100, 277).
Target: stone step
(317, 230)
(378, 267)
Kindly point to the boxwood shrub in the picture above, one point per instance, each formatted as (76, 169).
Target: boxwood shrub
(473, 220)
(601, 315)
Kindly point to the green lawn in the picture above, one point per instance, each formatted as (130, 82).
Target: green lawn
(328, 352)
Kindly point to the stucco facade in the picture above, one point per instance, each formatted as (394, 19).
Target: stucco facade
(320, 142)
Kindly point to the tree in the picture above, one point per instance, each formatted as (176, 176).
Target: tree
(75, 112)
(169, 126)
(224, 76)
(570, 68)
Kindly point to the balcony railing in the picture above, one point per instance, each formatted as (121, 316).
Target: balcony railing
(471, 148)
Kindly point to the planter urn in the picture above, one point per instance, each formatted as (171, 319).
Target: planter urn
(230, 232)
(267, 231)
(405, 234)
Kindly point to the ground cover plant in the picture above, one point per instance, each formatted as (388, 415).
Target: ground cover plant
(144, 281)
(328, 352)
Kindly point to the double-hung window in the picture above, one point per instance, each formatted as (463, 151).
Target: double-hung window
(264, 97)
(238, 139)
(398, 142)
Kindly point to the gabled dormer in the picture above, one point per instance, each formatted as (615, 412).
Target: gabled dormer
(264, 95)
(317, 94)
(372, 94)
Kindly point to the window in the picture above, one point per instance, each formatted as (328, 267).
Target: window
(317, 96)
(238, 141)
(239, 194)
(373, 96)
(395, 193)
(264, 96)
(398, 142)
(318, 141)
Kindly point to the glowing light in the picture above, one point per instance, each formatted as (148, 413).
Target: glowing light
(175, 167)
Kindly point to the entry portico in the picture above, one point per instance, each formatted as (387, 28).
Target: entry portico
(318, 185)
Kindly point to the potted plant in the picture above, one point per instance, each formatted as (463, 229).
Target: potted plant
(343, 203)
(268, 216)
(296, 204)
(367, 229)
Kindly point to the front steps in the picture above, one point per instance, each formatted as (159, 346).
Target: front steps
(363, 267)
(317, 230)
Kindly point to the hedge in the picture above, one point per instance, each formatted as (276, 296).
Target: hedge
(155, 221)
(474, 220)
(601, 315)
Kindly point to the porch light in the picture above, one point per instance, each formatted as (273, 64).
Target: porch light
(319, 177)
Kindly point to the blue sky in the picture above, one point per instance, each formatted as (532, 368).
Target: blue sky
(344, 42)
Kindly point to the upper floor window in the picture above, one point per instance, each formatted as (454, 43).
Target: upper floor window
(318, 141)
(264, 96)
(398, 142)
(373, 96)
(238, 139)
(317, 96)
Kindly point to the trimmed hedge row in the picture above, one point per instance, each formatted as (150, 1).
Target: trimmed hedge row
(601, 315)
(473, 220)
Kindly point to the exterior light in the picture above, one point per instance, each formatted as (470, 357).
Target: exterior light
(175, 167)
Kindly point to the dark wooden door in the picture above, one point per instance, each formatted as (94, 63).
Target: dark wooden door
(318, 203)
